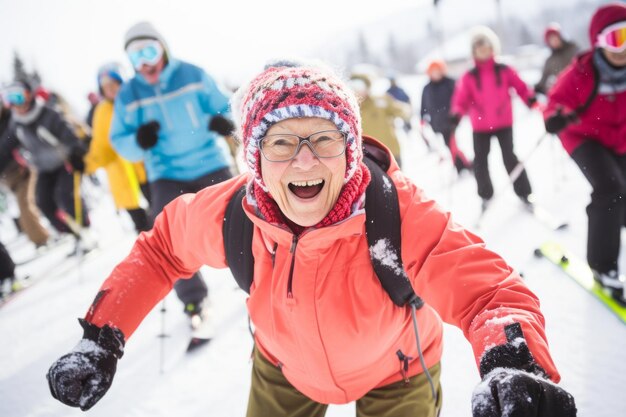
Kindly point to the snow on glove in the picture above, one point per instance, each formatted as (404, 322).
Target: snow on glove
(147, 134)
(558, 121)
(83, 376)
(221, 125)
(514, 385)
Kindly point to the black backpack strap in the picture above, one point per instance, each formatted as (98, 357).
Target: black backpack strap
(237, 232)
(382, 226)
(594, 92)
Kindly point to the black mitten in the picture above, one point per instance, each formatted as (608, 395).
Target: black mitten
(148, 134)
(515, 385)
(83, 376)
(76, 158)
(221, 125)
(558, 121)
(454, 120)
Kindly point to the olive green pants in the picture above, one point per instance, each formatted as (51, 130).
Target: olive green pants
(272, 395)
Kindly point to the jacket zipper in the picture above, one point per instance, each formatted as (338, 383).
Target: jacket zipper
(162, 106)
(294, 243)
(404, 365)
(274, 254)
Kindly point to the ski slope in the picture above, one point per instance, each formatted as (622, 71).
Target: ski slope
(157, 378)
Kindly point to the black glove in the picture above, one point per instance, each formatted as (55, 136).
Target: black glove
(558, 121)
(83, 376)
(147, 134)
(532, 100)
(454, 120)
(221, 125)
(76, 158)
(513, 381)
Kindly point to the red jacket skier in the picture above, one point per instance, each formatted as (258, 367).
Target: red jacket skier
(586, 109)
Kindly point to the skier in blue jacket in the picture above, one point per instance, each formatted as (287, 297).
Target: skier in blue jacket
(173, 116)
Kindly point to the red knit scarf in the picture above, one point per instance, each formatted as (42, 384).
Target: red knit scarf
(351, 191)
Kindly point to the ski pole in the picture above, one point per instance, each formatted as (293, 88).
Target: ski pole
(423, 136)
(78, 208)
(519, 168)
(162, 336)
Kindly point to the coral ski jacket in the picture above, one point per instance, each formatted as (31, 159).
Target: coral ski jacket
(485, 94)
(319, 311)
(603, 121)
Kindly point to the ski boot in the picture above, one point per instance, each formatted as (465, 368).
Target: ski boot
(197, 313)
(528, 201)
(613, 283)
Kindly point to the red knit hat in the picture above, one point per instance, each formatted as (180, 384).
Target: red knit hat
(552, 29)
(286, 91)
(603, 17)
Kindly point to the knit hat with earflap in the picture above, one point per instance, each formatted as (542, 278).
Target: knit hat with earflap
(603, 17)
(286, 91)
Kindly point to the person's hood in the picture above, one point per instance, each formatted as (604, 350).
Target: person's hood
(603, 17)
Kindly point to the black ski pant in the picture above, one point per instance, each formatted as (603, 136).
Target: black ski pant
(54, 193)
(606, 173)
(192, 290)
(140, 218)
(7, 266)
(482, 146)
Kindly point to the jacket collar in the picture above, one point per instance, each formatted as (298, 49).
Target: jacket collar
(318, 237)
(490, 63)
(164, 77)
(31, 116)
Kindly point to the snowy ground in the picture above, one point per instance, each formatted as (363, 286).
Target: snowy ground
(587, 342)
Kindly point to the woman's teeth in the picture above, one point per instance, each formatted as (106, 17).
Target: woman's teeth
(309, 183)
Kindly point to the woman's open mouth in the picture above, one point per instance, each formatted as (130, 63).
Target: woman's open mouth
(306, 189)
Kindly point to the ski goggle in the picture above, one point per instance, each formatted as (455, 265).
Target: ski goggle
(144, 52)
(15, 96)
(613, 37)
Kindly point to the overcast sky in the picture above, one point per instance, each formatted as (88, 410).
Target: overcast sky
(67, 40)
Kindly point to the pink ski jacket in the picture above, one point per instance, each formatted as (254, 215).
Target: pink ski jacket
(484, 93)
(336, 333)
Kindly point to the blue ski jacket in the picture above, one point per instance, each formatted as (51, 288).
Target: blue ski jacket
(183, 102)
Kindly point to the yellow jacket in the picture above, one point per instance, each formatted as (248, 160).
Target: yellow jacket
(377, 117)
(124, 177)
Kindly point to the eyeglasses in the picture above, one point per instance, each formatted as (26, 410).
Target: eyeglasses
(613, 37)
(16, 96)
(144, 52)
(285, 147)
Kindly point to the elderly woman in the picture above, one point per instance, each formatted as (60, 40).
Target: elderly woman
(326, 330)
